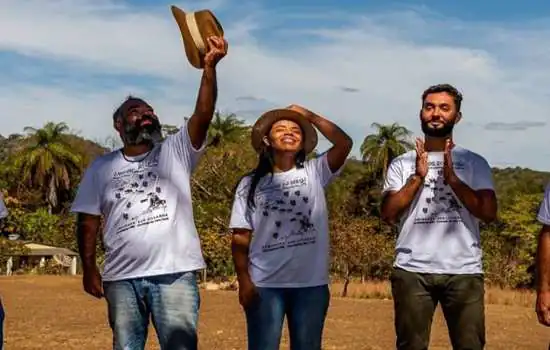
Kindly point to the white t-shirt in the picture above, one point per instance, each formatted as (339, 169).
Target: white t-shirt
(543, 215)
(3, 209)
(437, 233)
(290, 233)
(146, 201)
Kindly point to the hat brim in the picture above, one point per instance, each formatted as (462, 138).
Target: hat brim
(266, 120)
(208, 26)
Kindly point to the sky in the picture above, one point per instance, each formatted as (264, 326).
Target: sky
(354, 62)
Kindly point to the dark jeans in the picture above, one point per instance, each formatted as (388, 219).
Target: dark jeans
(2, 316)
(305, 308)
(416, 296)
(171, 300)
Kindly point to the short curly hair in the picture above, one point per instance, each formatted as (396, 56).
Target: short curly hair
(119, 112)
(448, 88)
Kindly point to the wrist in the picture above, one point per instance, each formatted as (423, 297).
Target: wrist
(209, 67)
(312, 117)
(88, 266)
(453, 180)
(243, 278)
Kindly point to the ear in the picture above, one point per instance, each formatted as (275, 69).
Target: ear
(458, 117)
(117, 124)
(266, 141)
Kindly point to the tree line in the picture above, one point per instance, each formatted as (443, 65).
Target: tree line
(40, 171)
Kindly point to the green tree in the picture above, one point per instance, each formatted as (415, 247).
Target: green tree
(511, 243)
(47, 161)
(380, 148)
(227, 128)
(223, 129)
(169, 129)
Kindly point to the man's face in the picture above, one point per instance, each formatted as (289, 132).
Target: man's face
(439, 115)
(139, 124)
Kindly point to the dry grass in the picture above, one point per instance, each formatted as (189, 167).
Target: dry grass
(381, 290)
(52, 312)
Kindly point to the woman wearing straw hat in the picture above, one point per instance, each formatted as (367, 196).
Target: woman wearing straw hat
(280, 232)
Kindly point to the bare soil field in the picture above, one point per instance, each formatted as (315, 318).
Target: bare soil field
(52, 312)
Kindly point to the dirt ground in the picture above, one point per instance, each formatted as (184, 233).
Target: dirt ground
(50, 312)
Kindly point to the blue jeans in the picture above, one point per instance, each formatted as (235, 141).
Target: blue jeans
(305, 309)
(171, 300)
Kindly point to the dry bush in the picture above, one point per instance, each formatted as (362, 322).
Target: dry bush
(382, 290)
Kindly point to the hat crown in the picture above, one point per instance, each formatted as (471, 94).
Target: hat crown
(195, 28)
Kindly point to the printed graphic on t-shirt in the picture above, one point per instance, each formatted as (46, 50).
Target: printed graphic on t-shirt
(144, 195)
(438, 203)
(287, 204)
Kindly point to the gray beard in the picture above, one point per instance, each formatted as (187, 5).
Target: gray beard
(137, 136)
(146, 136)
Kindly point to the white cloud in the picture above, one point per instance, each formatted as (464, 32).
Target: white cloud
(389, 57)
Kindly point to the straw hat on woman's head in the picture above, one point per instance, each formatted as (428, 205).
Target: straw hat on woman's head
(263, 125)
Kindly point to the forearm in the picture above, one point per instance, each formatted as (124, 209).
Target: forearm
(240, 246)
(86, 240)
(204, 108)
(395, 204)
(543, 261)
(473, 201)
(331, 131)
(341, 142)
(87, 250)
(208, 93)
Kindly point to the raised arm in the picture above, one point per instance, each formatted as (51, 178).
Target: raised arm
(481, 203)
(398, 196)
(341, 142)
(395, 203)
(480, 199)
(208, 92)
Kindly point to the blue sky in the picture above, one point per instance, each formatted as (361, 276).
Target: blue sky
(355, 62)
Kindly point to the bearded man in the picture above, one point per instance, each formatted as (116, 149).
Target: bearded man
(143, 193)
(437, 194)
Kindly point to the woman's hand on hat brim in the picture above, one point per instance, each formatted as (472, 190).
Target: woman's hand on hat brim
(303, 111)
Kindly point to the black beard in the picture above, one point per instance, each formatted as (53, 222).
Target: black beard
(445, 131)
(139, 135)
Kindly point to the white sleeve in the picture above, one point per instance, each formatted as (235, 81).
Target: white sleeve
(87, 198)
(3, 209)
(183, 148)
(320, 168)
(241, 215)
(483, 175)
(543, 215)
(394, 177)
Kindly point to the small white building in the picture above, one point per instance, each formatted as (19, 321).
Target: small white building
(39, 255)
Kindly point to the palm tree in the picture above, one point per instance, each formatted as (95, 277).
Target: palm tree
(389, 141)
(47, 161)
(228, 128)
